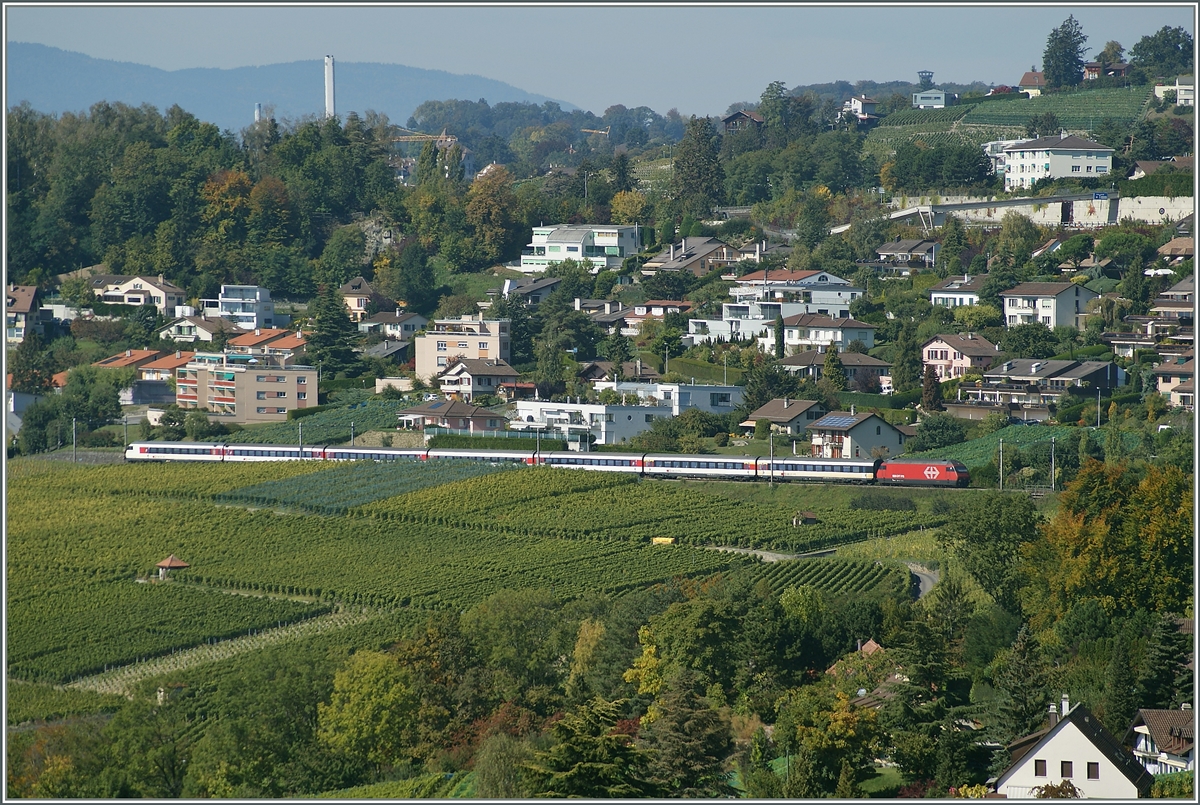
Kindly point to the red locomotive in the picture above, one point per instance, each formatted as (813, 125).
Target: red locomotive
(923, 472)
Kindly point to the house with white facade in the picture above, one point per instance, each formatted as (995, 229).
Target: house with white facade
(121, 289)
(1054, 304)
(1058, 156)
(1164, 740)
(787, 416)
(811, 331)
(929, 99)
(1177, 379)
(953, 355)
(747, 319)
(1078, 748)
(641, 404)
(859, 369)
(604, 246)
(190, 329)
(784, 285)
(957, 290)
(394, 324)
(995, 154)
(909, 252)
(841, 434)
(247, 306)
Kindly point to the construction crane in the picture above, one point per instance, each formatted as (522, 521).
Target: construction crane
(417, 137)
(597, 131)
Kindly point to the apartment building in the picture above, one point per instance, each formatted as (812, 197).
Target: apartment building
(231, 386)
(1054, 304)
(446, 341)
(602, 246)
(247, 306)
(1054, 157)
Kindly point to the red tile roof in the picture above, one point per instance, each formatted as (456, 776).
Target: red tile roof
(130, 357)
(257, 338)
(173, 361)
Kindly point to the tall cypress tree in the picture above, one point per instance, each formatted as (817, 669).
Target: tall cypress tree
(1062, 60)
(931, 392)
(906, 362)
(1024, 688)
(331, 342)
(779, 332)
(833, 372)
(698, 181)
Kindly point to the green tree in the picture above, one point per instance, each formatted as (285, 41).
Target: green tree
(370, 715)
(1165, 679)
(589, 760)
(1167, 52)
(491, 209)
(1022, 681)
(764, 383)
(931, 391)
(690, 743)
(779, 338)
(331, 342)
(906, 362)
(1063, 58)
(31, 369)
(501, 768)
(936, 431)
(698, 179)
(1031, 340)
(988, 543)
(1120, 687)
(832, 371)
(344, 256)
(1112, 53)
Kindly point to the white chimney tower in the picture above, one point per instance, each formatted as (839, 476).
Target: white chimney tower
(257, 112)
(329, 108)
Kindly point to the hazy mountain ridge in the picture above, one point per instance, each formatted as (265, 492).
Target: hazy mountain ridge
(56, 81)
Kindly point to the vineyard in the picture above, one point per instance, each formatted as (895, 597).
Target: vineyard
(834, 576)
(327, 427)
(138, 620)
(543, 502)
(1077, 111)
(978, 452)
(337, 490)
(28, 701)
(923, 117)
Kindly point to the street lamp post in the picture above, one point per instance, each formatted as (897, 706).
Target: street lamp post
(726, 368)
(74, 443)
(1052, 440)
(1001, 472)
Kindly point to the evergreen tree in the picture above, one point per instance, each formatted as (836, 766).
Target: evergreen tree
(30, 366)
(847, 784)
(698, 181)
(1062, 60)
(690, 743)
(779, 334)
(931, 392)
(589, 760)
(906, 362)
(331, 342)
(1023, 685)
(1120, 688)
(1165, 663)
(622, 178)
(833, 372)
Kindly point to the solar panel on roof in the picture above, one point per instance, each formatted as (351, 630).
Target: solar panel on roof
(838, 421)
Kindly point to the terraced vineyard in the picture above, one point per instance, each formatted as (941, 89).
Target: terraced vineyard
(925, 117)
(978, 452)
(834, 576)
(327, 427)
(1076, 111)
(344, 487)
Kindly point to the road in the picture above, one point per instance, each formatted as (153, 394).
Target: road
(927, 577)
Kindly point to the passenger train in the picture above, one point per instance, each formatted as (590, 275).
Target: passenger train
(905, 471)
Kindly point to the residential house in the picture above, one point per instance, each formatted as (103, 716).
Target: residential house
(612, 319)
(787, 416)
(1087, 264)
(785, 285)
(1177, 379)
(230, 386)
(395, 352)
(1164, 740)
(1054, 304)
(860, 109)
(121, 289)
(529, 290)
(360, 298)
(470, 378)
(164, 368)
(465, 337)
(849, 435)
(1026, 389)
(957, 290)
(1184, 88)
(1098, 69)
(909, 252)
(1078, 748)
(1033, 83)
(1147, 167)
(1049, 247)
(248, 306)
(751, 319)
(451, 414)
(581, 422)
(812, 331)
(954, 355)
(604, 246)
(190, 329)
(696, 255)
(995, 154)
(1054, 157)
(741, 120)
(129, 359)
(861, 370)
(652, 309)
(1177, 250)
(930, 99)
(394, 324)
(678, 397)
(592, 371)
(20, 312)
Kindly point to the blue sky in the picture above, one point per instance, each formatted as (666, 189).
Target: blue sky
(698, 59)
